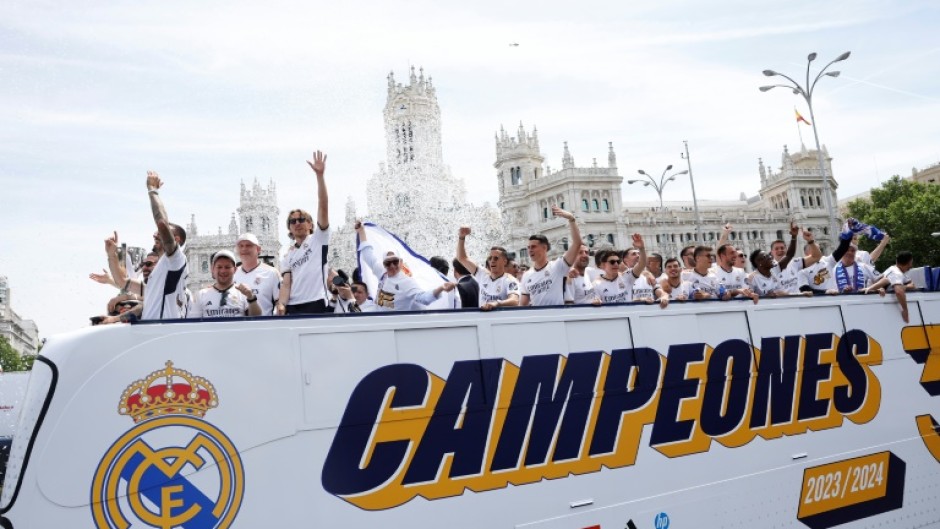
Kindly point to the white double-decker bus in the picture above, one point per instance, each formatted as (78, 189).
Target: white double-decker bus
(812, 412)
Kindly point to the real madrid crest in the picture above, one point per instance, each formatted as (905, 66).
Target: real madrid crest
(172, 469)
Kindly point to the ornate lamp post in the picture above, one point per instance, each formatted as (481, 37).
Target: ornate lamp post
(658, 186)
(807, 92)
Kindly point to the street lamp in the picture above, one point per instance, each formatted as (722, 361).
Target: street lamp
(807, 93)
(698, 221)
(658, 186)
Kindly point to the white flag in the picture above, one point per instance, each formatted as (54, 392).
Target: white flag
(413, 264)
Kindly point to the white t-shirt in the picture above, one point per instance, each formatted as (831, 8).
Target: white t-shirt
(400, 292)
(619, 290)
(820, 276)
(762, 284)
(165, 296)
(642, 290)
(212, 303)
(789, 279)
(581, 290)
(547, 285)
(707, 283)
(496, 289)
(896, 276)
(684, 289)
(265, 283)
(307, 265)
(868, 274)
(736, 279)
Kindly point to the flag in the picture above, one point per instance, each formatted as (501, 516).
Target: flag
(413, 264)
(800, 118)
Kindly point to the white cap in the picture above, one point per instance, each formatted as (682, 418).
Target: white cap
(224, 253)
(390, 256)
(250, 237)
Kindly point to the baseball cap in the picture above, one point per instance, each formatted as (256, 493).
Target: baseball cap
(250, 237)
(223, 253)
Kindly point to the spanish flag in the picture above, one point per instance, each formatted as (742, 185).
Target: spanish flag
(800, 118)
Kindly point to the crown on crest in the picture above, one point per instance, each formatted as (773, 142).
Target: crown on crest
(168, 391)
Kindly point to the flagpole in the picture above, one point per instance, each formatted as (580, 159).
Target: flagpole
(798, 131)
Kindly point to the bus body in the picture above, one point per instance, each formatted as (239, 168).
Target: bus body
(811, 412)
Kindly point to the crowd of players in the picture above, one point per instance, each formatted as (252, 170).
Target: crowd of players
(304, 283)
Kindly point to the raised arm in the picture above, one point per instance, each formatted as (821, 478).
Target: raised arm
(118, 274)
(815, 254)
(791, 250)
(574, 245)
(159, 213)
(367, 252)
(462, 250)
(725, 234)
(318, 164)
(641, 263)
(876, 253)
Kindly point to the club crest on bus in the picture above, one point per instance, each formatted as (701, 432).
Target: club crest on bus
(143, 480)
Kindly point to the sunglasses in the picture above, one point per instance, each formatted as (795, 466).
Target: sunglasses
(297, 220)
(148, 263)
(614, 262)
(355, 290)
(741, 255)
(391, 262)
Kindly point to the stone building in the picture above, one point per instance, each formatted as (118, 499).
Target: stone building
(528, 189)
(257, 213)
(414, 195)
(22, 334)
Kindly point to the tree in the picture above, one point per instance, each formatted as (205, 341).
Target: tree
(9, 359)
(909, 211)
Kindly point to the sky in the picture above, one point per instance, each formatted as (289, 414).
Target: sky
(93, 94)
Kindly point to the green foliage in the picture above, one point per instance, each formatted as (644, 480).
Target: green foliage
(9, 358)
(909, 211)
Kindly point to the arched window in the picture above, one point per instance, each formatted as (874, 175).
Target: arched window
(205, 266)
(561, 205)
(780, 234)
(803, 200)
(564, 243)
(818, 202)
(590, 240)
(595, 204)
(584, 205)
(657, 239)
(606, 205)
(610, 238)
(544, 213)
(515, 176)
(249, 224)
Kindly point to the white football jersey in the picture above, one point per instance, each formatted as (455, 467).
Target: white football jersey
(547, 285)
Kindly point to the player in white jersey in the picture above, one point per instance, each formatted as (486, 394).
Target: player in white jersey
(852, 276)
(263, 280)
(498, 287)
(165, 294)
(762, 280)
(225, 298)
(898, 279)
(673, 284)
(396, 290)
(612, 286)
(544, 283)
(704, 282)
(733, 279)
(581, 277)
(304, 266)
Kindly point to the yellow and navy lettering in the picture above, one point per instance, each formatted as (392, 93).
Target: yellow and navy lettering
(407, 432)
